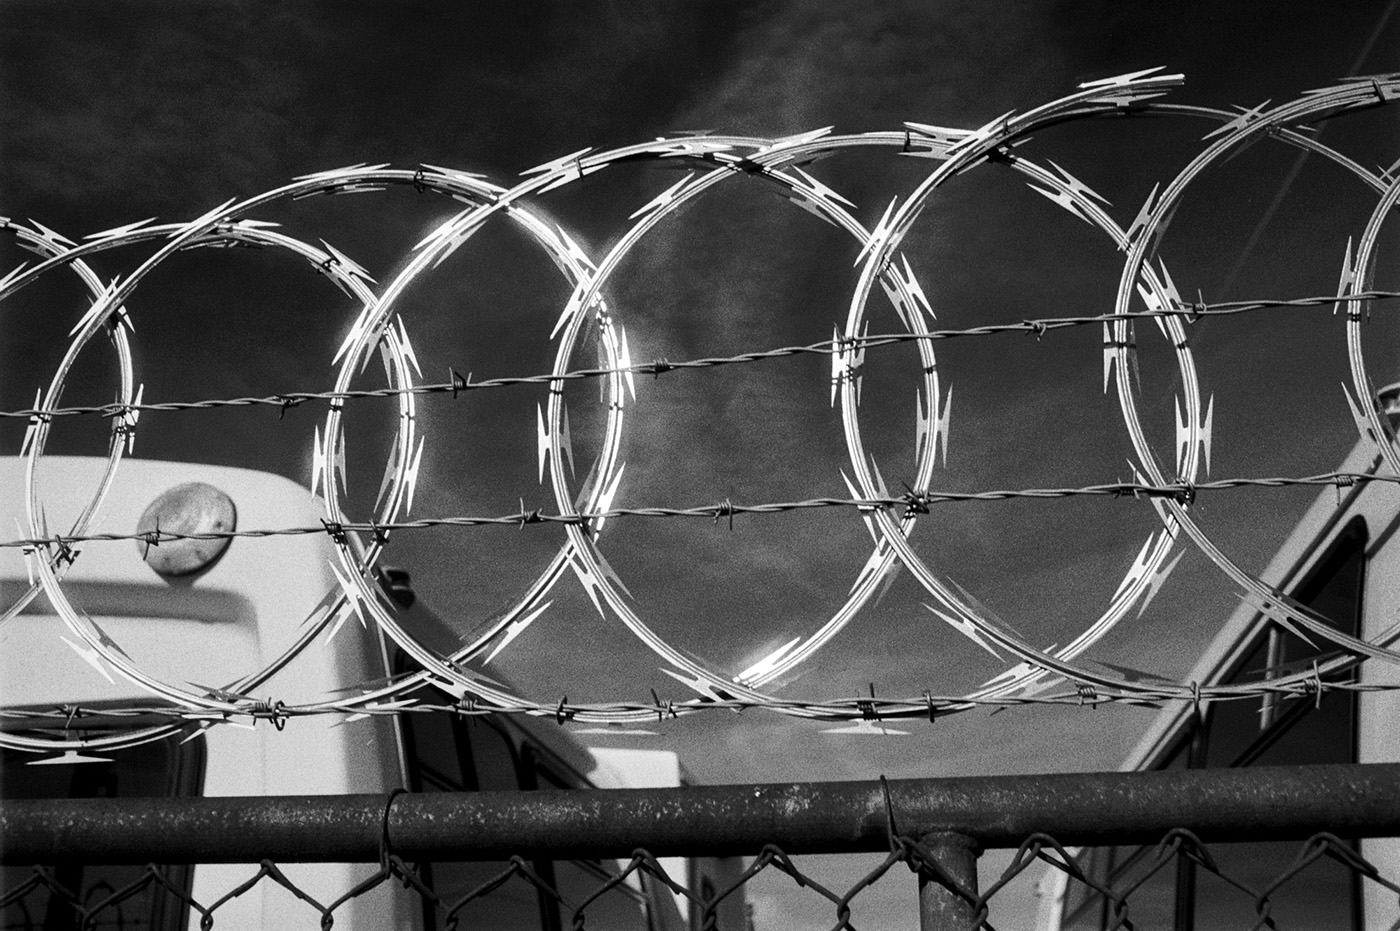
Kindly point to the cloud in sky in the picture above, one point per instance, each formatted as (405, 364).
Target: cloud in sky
(147, 107)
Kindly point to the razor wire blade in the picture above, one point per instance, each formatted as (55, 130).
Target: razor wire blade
(711, 159)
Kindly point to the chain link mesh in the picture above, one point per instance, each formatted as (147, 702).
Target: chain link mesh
(38, 898)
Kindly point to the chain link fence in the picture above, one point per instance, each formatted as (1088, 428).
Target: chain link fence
(152, 896)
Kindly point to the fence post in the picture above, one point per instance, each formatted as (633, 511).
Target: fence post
(940, 908)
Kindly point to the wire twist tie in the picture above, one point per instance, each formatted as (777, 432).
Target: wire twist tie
(418, 184)
(891, 829)
(1036, 327)
(560, 714)
(385, 848)
(660, 366)
(1086, 693)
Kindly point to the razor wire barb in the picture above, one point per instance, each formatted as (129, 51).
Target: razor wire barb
(710, 160)
(458, 384)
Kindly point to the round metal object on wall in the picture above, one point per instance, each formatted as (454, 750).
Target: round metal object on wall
(191, 508)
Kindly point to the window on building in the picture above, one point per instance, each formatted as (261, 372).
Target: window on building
(152, 770)
(1262, 732)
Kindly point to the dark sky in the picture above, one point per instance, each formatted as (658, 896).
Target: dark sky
(115, 111)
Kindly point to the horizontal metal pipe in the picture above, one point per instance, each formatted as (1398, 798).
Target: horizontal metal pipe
(1261, 803)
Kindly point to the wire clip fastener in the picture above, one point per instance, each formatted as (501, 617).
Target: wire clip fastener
(915, 502)
(1184, 492)
(381, 534)
(335, 530)
(932, 711)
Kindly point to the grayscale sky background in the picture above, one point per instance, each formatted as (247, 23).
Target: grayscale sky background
(115, 111)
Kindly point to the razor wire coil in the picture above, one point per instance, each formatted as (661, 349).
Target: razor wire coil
(582, 511)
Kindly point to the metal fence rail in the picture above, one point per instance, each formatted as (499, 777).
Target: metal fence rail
(1262, 803)
(937, 827)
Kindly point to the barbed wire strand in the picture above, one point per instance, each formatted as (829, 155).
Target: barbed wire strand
(918, 501)
(458, 383)
(870, 709)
